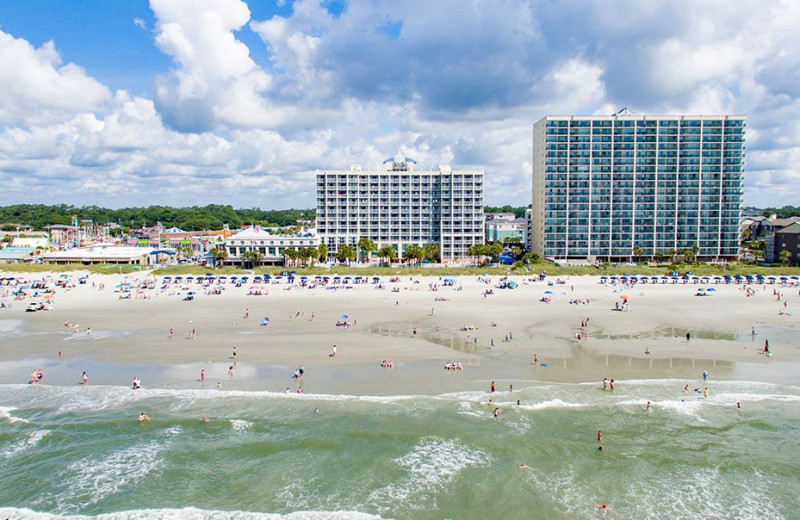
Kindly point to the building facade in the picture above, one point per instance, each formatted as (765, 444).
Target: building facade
(271, 247)
(624, 186)
(505, 227)
(400, 207)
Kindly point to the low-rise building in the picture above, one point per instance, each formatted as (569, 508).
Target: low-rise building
(504, 227)
(270, 247)
(784, 239)
(108, 254)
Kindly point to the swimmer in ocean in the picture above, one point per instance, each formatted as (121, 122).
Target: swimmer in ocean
(523, 466)
(143, 417)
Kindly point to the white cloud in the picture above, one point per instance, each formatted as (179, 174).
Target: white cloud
(228, 125)
(37, 88)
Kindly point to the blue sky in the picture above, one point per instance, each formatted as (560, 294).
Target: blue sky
(185, 102)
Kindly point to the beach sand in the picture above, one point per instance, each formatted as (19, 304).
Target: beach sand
(131, 336)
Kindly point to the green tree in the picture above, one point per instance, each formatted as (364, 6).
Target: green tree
(784, 256)
(638, 252)
(532, 258)
(387, 253)
(431, 251)
(219, 256)
(293, 254)
(365, 245)
(322, 253)
(413, 253)
(345, 253)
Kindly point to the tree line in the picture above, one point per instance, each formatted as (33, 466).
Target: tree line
(194, 218)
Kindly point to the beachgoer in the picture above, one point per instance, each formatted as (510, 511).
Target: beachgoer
(491, 387)
(604, 507)
(705, 375)
(738, 406)
(171, 333)
(647, 407)
(611, 385)
(219, 385)
(496, 412)
(85, 379)
(59, 354)
(688, 337)
(333, 353)
(605, 383)
(510, 388)
(705, 392)
(203, 375)
(686, 389)
(234, 352)
(205, 420)
(599, 436)
(143, 417)
(523, 466)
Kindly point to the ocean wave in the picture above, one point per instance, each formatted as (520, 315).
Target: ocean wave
(432, 465)
(5, 413)
(21, 445)
(90, 480)
(188, 513)
(240, 425)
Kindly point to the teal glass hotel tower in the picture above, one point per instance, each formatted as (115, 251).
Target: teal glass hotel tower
(625, 186)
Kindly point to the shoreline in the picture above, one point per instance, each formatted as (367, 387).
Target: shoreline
(130, 335)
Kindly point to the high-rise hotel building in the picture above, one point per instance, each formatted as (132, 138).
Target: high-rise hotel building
(399, 206)
(623, 186)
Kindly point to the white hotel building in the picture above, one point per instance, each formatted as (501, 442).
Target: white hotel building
(399, 207)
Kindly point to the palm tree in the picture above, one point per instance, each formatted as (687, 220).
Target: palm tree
(292, 254)
(414, 253)
(387, 253)
(784, 256)
(365, 245)
(345, 253)
(219, 256)
(638, 252)
(322, 253)
(431, 251)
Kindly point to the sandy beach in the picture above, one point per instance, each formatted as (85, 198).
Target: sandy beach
(511, 336)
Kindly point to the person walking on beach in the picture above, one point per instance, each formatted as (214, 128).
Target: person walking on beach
(85, 379)
(203, 376)
(705, 375)
(688, 336)
(234, 353)
(171, 333)
(333, 353)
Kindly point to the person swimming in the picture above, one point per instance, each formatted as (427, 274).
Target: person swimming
(143, 417)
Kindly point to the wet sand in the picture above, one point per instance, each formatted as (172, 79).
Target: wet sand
(131, 336)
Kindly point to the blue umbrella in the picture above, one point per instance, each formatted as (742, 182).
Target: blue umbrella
(344, 316)
(548, 292)
(710, 289)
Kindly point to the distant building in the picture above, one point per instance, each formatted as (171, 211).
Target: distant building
(107, 254)
(784, 239)
(502, 227)
(400, 206)
(615, 187)
(16, 255)
(271, 247)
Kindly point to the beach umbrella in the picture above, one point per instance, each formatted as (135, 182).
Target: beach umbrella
(624, 297)
(711, 289)
(344, 316)
(548, 292)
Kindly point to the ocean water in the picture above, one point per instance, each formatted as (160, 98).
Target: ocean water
(78, 452)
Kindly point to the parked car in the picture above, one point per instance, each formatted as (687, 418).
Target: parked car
(32, 307)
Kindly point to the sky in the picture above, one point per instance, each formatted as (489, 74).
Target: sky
(192, 102)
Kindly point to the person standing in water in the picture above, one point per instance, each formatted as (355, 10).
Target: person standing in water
(491, 387)
(85, 379)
